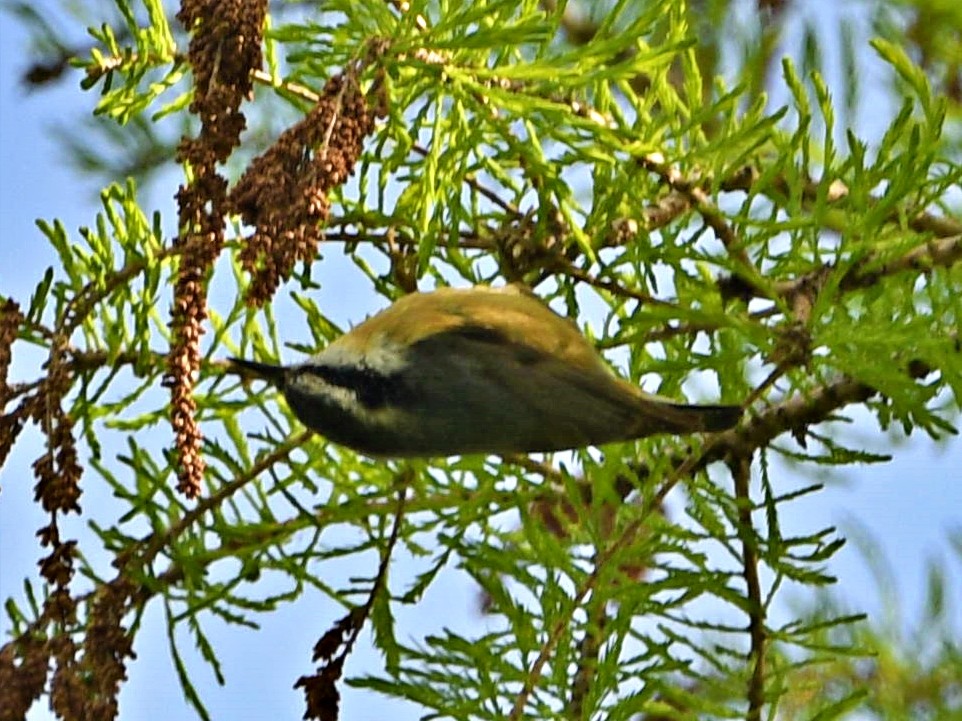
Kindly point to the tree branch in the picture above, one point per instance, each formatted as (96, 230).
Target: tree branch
(741, 473)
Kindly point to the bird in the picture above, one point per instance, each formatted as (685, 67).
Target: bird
(478, 370)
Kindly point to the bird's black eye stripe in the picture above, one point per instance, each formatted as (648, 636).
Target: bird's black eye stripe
(373, 389)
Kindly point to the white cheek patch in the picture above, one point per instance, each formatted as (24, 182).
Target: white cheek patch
(345, 398)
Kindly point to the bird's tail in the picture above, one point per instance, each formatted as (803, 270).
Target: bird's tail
(265, 371)
(700, 418)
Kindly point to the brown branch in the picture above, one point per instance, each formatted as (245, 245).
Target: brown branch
(744, 180)
(667, 331)
(320, 688)
(792, 415)
(534, 673)
(151, 545)
(741, 473)
(837, 190)
(97, 290)
(616, 289)
(156, 542)
(934, 253)
(473, 183)
(665, 210)
(713, 217)
(588, 655)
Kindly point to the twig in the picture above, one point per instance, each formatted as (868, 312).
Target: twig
(473, 183)
(741, 473)
(713, 217)
(332, 648)
(588, 654)
(380, 579)
(154, 543)
(935, 253)
(576, 273)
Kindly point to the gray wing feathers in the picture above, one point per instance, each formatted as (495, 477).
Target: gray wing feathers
(523, 399)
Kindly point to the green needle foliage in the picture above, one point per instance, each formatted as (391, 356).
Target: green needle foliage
(701, 200)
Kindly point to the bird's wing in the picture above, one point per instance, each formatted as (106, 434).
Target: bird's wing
(565, 404)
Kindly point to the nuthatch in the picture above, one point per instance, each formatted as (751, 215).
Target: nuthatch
(476, 370)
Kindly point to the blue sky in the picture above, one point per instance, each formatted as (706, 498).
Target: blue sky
(908, 505)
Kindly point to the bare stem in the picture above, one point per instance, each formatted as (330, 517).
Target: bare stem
(741, 468)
